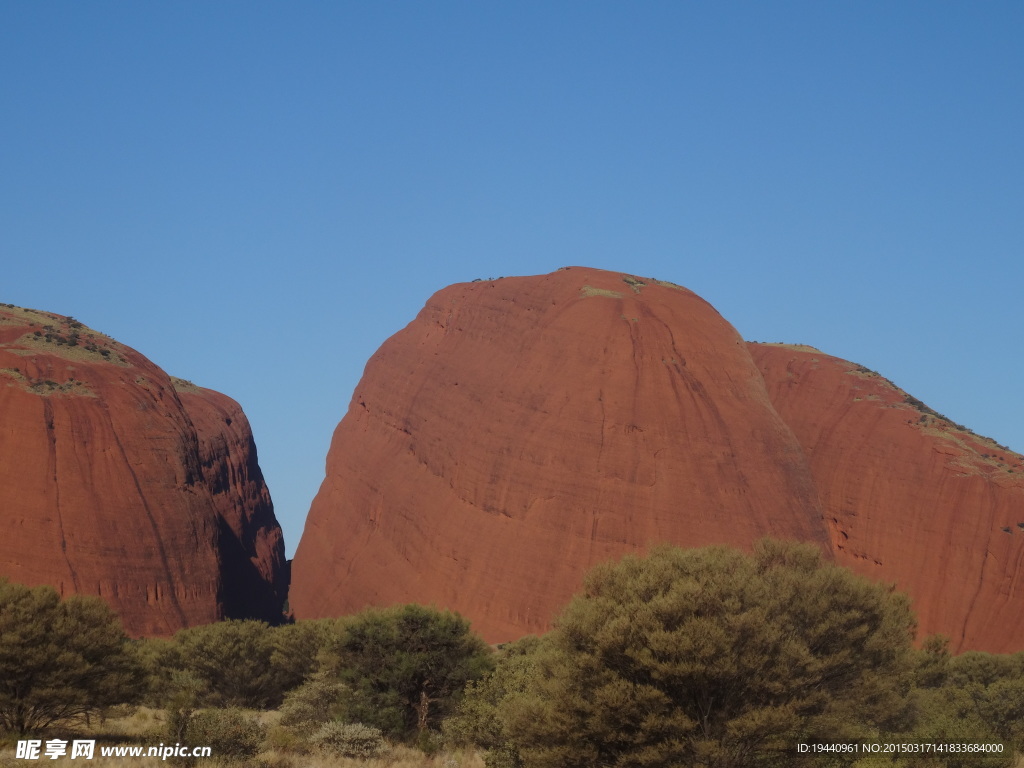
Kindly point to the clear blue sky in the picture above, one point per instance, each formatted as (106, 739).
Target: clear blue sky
(256, 195)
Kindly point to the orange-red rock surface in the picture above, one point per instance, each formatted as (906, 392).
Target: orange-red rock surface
(909, 497)
(119, 482)
(519, 431)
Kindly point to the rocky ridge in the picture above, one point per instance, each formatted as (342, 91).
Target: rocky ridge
(909, 496)
(120, 482)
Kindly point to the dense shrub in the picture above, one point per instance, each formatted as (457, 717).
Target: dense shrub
(161, 661)
(476, 722)
(235, 663)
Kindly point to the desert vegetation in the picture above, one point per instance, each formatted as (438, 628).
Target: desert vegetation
(61, 334)
(706, 657)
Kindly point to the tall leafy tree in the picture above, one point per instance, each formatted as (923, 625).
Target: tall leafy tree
(710, 657)
(60, 659)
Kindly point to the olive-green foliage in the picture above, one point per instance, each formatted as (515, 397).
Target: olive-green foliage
(60, 659)
(937, 718)
(161, 659)
(236, 663)
(230, 663)
(476, 722)
(349, 740)
(406, 666)
(709, 657)
(297, 649)
(931, 663)
(947, 717)
(232, 659)
(971, 698)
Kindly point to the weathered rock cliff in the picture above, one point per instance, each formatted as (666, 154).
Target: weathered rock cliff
(114, 483)
(519, 431)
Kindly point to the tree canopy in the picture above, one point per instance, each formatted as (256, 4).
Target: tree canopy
(714, 658)
(60, 659)
(406, 666)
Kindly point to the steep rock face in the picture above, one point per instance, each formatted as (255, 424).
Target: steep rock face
(114, 485)
(519, 431)
(250, 545)
(911, 498)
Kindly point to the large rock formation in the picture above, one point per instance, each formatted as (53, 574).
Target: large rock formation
(911, 497)
(519, 431)
(120, 482)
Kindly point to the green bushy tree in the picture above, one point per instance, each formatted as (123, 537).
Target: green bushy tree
(60, 658)
(232, 660)
(241, 663)
(296, 650)
(931, 663)
(406, 666)
(709, 657)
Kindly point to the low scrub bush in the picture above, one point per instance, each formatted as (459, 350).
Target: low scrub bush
(349, 740)
(313, 704)
(231, 734)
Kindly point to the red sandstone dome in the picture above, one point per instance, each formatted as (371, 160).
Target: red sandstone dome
(120, 482)
(520, 430)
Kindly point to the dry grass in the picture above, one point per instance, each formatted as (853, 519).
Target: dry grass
(145, 727)
(795, 347)
(589, 290)
(634, 282)
(399, 757)
(12, 315)
(396, 757)
(60, 336)
(33, 344)
(183, 385)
